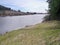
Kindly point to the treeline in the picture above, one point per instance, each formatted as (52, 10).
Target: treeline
(4, 8)
(54, 10)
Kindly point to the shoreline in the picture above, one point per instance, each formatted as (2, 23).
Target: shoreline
(25, 27)
(16, 15)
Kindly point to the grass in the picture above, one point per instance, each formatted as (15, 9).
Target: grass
(47, 33)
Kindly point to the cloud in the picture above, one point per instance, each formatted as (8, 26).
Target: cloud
(28, 5)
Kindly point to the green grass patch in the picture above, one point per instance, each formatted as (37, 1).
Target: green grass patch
(47, 33)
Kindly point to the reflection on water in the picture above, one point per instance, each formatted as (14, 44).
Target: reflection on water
(15, 22)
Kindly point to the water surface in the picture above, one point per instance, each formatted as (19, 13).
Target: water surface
(10, 23)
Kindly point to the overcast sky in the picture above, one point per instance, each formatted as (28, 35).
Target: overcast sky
(26, 5)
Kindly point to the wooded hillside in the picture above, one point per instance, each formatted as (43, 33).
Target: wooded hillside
(4, 8)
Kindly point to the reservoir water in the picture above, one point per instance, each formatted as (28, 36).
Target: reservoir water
(10, 23)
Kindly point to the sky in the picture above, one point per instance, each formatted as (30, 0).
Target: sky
(26, 5)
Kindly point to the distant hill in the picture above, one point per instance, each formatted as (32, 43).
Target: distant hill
(5, 11)
(4, 8)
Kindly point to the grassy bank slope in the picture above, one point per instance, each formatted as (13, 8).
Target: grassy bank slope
(47, 33)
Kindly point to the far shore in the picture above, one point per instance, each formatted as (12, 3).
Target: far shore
(3, 15)
(15, 14)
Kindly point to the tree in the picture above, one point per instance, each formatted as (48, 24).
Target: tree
(54, 9)
(19, 11)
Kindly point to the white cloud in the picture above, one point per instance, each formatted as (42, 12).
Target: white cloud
(29, 5)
